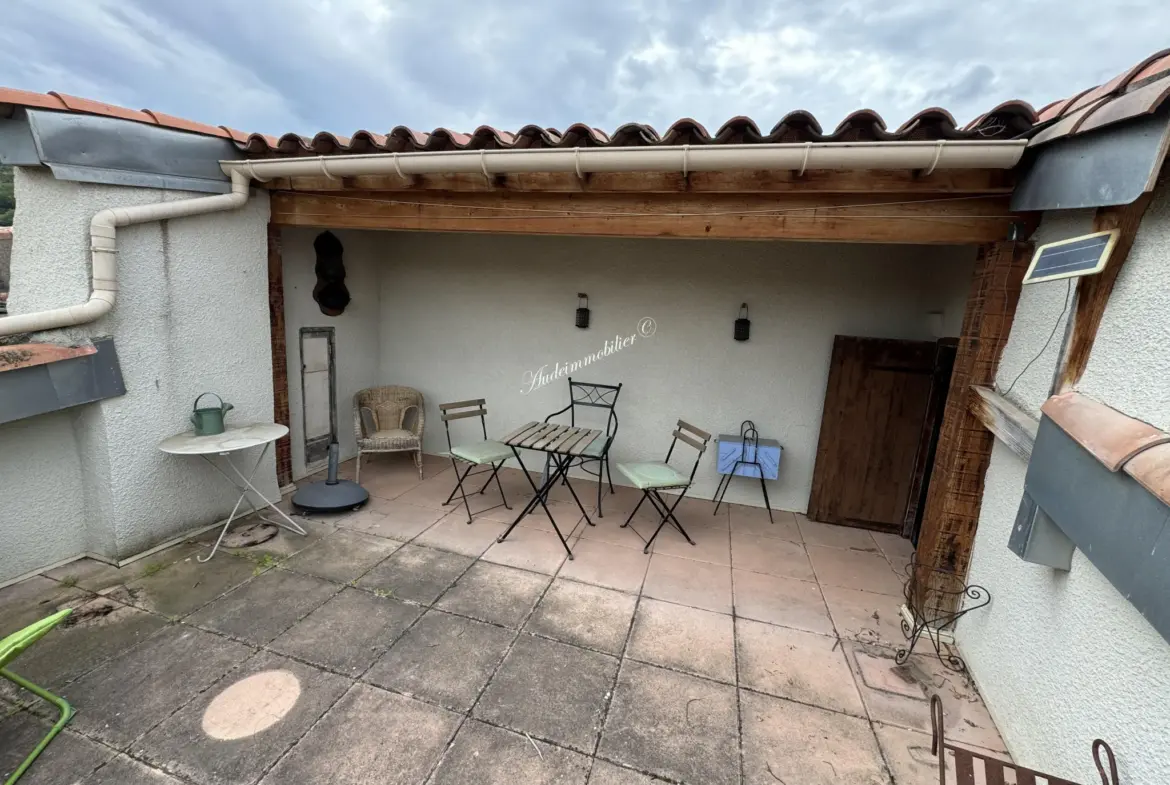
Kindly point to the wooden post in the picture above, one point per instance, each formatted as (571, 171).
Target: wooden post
(279, 353)
(964, 445)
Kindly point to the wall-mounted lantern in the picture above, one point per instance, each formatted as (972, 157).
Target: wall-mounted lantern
(582, 310)
(743, 326)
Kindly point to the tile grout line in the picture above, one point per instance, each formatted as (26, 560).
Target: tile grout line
(735, 653)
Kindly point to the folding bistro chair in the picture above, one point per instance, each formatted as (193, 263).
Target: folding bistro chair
(601, 396)
(10, 649)
(480, 453)
(652, 478)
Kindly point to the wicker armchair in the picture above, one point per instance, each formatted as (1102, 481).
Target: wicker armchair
(388, 419)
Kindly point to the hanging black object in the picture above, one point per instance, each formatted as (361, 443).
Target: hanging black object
(582, 310)
(330, 292)
(743, 325)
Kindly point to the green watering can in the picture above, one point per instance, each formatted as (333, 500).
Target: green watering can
(209, 421)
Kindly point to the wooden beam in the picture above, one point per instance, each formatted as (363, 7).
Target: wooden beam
(953, 181)
(1093, 290)
(831, 217)
(279, 345)
(964, 445)
(1006, 421)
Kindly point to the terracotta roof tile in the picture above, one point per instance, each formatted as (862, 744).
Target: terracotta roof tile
(1111, 437)
(181, 124)
(89, 106)
(9, 95)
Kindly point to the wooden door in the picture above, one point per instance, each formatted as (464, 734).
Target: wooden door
(876, 404)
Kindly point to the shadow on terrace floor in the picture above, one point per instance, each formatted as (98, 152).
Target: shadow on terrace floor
(399, 644)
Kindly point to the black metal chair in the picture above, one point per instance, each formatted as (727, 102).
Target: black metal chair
(600, 396)
(653, 477)
(478, 453)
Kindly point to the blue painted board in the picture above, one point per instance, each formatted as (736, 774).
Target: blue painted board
(731, 449)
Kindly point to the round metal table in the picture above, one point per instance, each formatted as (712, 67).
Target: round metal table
(234, 439)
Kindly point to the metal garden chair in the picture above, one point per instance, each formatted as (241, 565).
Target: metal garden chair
(11, 648)
(600, 396)
(653, 478)
(478, 453)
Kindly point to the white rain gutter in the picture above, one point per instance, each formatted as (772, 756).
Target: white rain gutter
(104, 249)
(925, 157)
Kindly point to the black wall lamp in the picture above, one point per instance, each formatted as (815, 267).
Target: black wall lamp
(583, 310)
(743, 326)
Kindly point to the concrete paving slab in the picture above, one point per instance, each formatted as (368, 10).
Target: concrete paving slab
(855, 569)
(283, 545)
(605, 773)
(770, 555)
(796, 665)
(395, 520)
(348, 632)
(550, 690)
(755, 521)
(443, 658)
(785, 601)
(122, 770)
(676, 726)
(487, 755)
(454, 534)
(266, 606)
(31, 600)
(584, 615)
(790, 742)
(687, 639)
(908, 755)
(371, 737)
(495, 593)
(605, 564)
(687, 582)
(530, 549)
(416, 574)
(96, 575)
(343, 556)
(130, 694)
(865, 616)
(69, 758)
(236, 730)
(185, 586)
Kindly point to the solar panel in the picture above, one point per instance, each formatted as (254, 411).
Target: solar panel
(1083, 255)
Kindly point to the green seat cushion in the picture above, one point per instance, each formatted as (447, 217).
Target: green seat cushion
(482, 452)
(652, 475)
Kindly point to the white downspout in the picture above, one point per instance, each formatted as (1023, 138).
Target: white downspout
(103, 246)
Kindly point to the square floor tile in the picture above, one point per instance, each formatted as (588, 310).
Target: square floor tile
(863, 570)
(432, 493)
(128, 695)
(551, 691)
(187, 585)
(395, 520)
(865, 616)
(755, 521)
(605, 773)
(486, 755)
(797, 665)
(687, 639)
(342, 556)
(673, 725)
(712, 544)
(835, 536)
(584, 615)
(785, 741)
(233, 732)
(784, 601)
(528, 549)
(770, 555)
(897, 549)
(348, 632)
(608, 565)
(687, 582)
(444, 659)
(609, 529)
(373, 736)
(122, 770)
(453, 533)
(495, 593)
(908, 755)
(266, 606)
(416, 574)
(35, 598)
(68, 759)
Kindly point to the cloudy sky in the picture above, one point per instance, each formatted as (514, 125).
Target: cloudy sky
(307, 65)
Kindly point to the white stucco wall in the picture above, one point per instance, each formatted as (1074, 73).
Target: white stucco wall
(1063, 658)
(191, 316)
(357, 332)
(465, 316)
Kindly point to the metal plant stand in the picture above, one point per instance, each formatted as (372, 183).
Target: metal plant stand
(747, 456)
(937, 599)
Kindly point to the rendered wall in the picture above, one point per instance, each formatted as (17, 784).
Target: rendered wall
(191, 316)
(1062, 657)
(467, 316)
(357, 332)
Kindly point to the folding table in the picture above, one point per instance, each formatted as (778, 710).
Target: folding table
(235, 438)
(562, 443)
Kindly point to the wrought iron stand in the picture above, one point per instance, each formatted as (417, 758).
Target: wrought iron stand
(938, 599)
(751, 446)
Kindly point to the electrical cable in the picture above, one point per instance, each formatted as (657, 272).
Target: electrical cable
(1067, 295)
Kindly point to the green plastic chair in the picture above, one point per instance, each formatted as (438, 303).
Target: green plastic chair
(11, 648)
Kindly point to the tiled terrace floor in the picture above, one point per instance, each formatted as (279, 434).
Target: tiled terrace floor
(399, 644)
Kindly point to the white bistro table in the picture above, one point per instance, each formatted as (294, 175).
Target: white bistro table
(235, 438)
